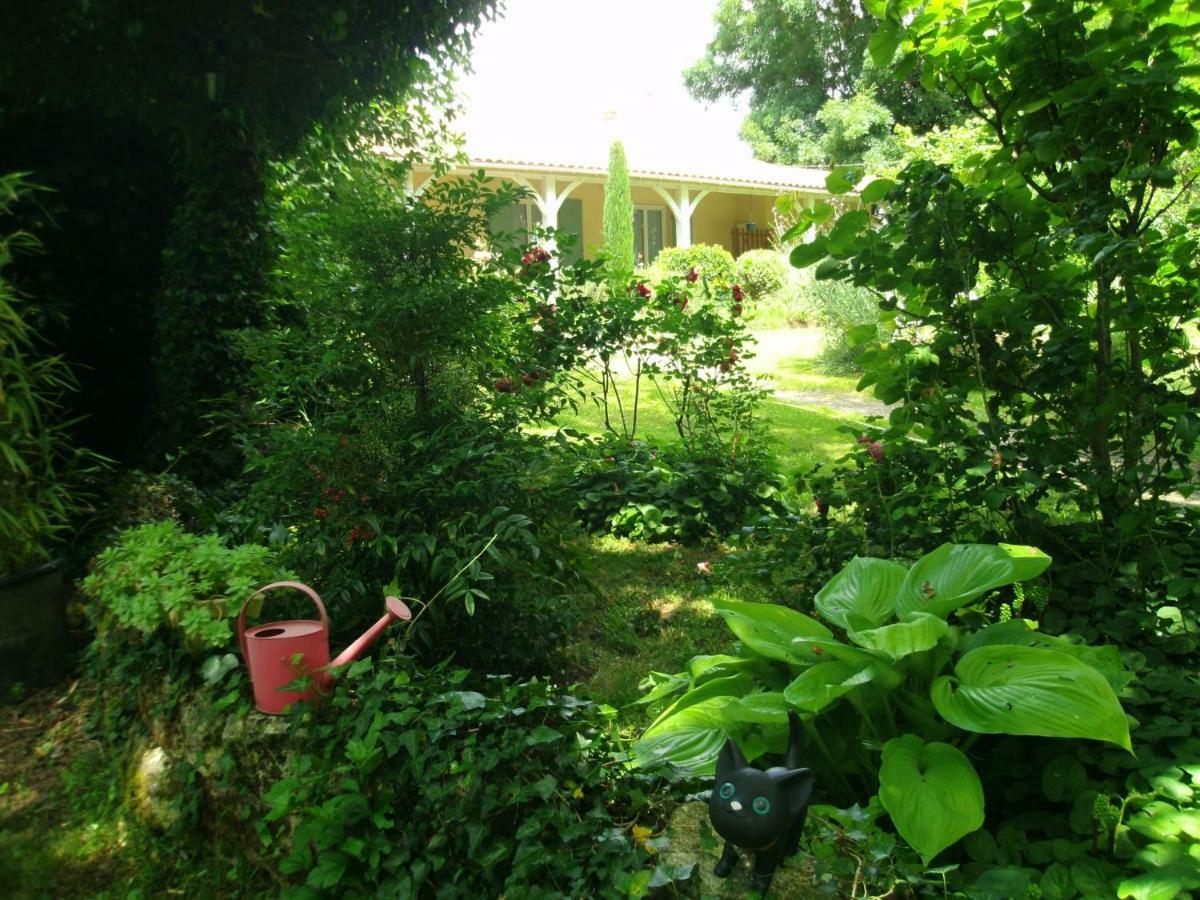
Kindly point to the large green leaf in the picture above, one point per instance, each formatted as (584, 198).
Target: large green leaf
(862, 595)
(691, 739)
(955, 574)
(818, 686)
(1105, 659)
(1011, 689)
(931, 791)
(774, 631)
(899, 639)
(729, 686)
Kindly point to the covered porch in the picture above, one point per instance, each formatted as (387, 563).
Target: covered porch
(670, 209)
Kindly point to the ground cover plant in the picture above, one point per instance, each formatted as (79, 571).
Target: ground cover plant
(1007, 679)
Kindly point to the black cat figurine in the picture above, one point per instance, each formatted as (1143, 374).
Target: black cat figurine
(763, 812)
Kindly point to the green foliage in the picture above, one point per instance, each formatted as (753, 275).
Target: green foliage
(412, 783)
(39, 464)
(157, 577)
(855, 129)
(397, 451)
(761, 273)
(884, 689)
(1050, 285)
(618, 215)
(839, 309)
(803, 63)
(709, 260)
(654, 494)
(217, 89)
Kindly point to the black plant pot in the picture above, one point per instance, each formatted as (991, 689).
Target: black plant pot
(33, 627)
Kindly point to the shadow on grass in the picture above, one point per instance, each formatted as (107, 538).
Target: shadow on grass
(648, 610)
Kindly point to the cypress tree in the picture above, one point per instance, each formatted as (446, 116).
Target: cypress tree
(618, 215)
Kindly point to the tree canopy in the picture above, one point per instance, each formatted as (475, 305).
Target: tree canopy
(805, 66)
(152, 122)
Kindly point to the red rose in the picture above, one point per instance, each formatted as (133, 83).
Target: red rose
(737, 293)
(504, 385)
(643, 290)
(693, 275)
(321, 512)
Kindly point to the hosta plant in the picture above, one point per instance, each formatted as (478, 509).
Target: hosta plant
(895, 687)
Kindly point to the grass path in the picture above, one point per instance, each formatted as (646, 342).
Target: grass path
(649, 609)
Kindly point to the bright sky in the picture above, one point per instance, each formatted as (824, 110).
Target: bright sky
(546, 73)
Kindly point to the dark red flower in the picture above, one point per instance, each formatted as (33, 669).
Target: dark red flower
(821, 505)
(643, 290)
(504, 385)
(737, 293)
(321, 513)
(693, 275)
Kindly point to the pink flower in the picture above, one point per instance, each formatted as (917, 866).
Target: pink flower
(643, 290)
(692, 275)
(876, 450)
(737, 293)
(704, 568)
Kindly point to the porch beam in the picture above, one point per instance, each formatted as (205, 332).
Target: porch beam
(682, 209)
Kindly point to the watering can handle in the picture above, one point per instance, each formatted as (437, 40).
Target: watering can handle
(295, 585)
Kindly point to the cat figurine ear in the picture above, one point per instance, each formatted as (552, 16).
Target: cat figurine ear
(798, 785)
(730, 759)
(795, 741)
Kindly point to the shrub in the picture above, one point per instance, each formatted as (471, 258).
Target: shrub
(39, 466)
(156, 577)
(412, 784)
(636, 490)
(761, 273)
(837, 308)
(711, 261)
(394, 454)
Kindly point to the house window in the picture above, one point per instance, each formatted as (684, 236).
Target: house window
(522, 218)
(647, 233)
(519, 218)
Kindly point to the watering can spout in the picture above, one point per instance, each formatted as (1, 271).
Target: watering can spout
(396, 611)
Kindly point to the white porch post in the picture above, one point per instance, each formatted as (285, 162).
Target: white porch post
(682, 209)
(550, 201)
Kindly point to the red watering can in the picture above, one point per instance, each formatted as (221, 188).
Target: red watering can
(277, 653)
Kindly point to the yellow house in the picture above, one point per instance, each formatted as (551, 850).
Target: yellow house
(729, 203)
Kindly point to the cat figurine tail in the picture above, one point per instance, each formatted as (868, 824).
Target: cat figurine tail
(760, 811)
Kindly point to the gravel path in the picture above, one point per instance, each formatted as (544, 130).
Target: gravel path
(848, 404)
